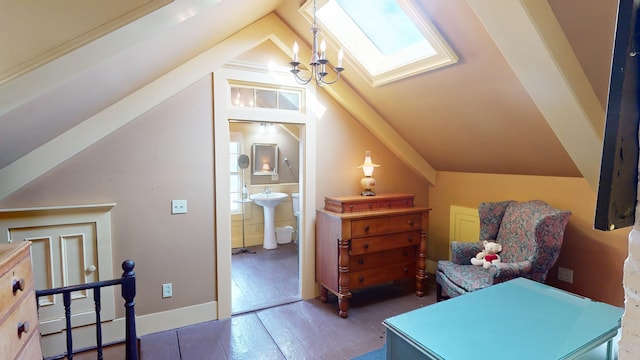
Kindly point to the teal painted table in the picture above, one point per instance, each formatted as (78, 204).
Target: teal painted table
(519, 319)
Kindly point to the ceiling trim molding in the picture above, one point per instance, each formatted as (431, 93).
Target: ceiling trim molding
(373, 122)
(29, 85)
(551, 73)
(75, 34)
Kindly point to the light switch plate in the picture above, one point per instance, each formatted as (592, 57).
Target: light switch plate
(178, 206)
(167, 290)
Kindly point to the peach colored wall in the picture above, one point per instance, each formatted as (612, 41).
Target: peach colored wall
(165, 154)
(168, 154)
(596, 257)
(341, 147)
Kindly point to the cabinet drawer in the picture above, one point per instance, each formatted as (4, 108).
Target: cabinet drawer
(12, 340)
(350, 204)
(21, 274)
(375, 276)
(385, 225)
(32, 350)
(385, 242)
(381, 259)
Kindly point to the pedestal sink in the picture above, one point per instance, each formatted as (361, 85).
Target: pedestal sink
(269, 202)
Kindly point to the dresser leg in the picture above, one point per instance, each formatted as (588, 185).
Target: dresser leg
(324, 294)
(420, 285)
(343, 304)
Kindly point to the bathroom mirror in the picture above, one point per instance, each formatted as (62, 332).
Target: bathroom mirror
(265, 159)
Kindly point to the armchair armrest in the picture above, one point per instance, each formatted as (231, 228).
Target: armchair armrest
(462, 252)
(507, 271)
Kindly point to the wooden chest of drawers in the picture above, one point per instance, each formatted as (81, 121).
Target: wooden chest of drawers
(383, 240)
(18, 312)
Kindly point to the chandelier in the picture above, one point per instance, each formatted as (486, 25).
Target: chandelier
(319, 60)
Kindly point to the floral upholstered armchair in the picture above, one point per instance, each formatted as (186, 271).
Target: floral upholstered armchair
(531, 235)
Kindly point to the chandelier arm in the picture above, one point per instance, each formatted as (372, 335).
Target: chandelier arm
(329, 82)
(318, 65)
(295, 71)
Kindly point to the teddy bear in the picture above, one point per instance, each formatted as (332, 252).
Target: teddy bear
(487, 256)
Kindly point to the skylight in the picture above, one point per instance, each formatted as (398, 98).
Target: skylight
(388, 39)
(383, 21)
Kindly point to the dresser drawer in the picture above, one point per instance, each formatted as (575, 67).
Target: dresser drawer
(364, 278)
(32, 350)
(382, 258)
(377, 205)
(21, 276)
(12, 339)
(384, 242)
(373, 226)
(350, 204)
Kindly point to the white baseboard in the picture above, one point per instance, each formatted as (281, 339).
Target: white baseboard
(171, 319)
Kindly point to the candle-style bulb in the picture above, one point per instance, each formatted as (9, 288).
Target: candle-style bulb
(295, 51)
(323, 49)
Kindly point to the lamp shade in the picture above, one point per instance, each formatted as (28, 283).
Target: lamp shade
(368, 165)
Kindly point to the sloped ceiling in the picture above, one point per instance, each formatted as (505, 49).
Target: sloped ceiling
(474, 116)
(75, 23)
(477, 115)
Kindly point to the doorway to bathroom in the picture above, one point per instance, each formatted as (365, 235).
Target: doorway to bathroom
(227, 110)
(264, 192)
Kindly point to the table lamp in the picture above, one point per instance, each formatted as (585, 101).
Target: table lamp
(368, 182)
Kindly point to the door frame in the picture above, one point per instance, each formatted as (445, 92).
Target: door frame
(223, 112)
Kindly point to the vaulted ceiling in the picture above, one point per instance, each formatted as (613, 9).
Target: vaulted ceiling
(526, 97)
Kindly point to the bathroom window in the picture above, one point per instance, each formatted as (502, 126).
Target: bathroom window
(265, 98)
(236, 181)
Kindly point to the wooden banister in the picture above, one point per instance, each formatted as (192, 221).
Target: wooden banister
(128, 286)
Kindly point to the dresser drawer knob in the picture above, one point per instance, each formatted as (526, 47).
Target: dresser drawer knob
(410, 222)
(405, 270)
(23, 328)
(410, 240)
(365, 246)
(18, 284)
(366, 228)
(361, 279)
(361, 261)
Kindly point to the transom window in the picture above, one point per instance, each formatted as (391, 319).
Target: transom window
(266, 98)
(388, 39)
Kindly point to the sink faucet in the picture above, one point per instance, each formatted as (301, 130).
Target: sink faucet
(267, 190)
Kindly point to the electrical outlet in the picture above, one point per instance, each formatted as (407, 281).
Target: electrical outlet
(565, 275)
(178, 206)
(167, 290)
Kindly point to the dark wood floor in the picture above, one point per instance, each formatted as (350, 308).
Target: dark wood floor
(296, 330)
(261, 329)
(264, 279)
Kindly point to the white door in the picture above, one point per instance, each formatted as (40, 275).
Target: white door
(64, 255)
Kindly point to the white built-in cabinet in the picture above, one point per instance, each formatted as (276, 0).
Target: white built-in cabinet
(70, 246)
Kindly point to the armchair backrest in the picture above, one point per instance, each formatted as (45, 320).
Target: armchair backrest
(490, 214)
(528, 231)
